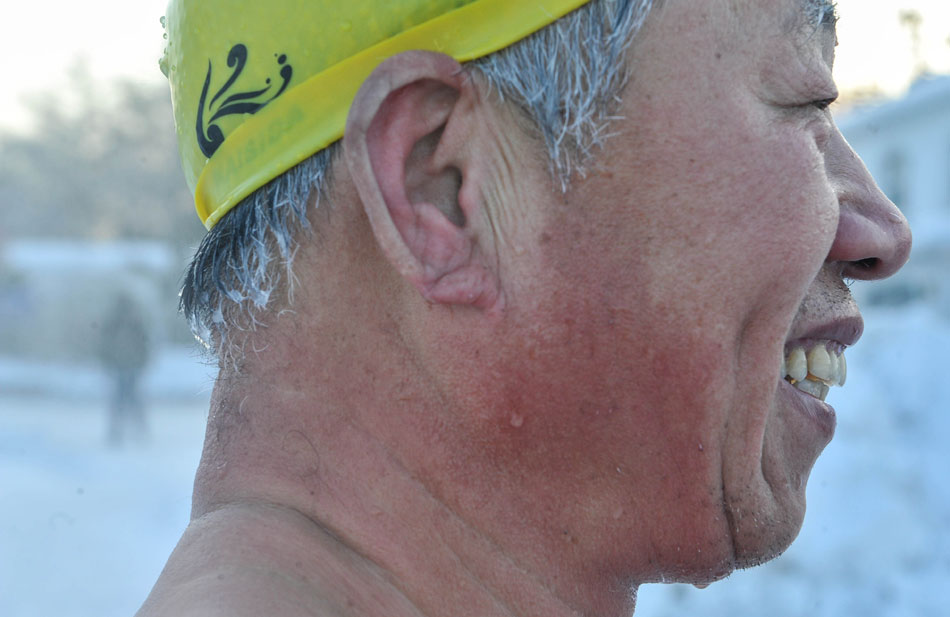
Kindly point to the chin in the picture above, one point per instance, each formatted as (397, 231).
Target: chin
(766, 548)
(765, 493)
(764, 525)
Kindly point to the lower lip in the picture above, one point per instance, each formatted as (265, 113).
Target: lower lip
(818, 413)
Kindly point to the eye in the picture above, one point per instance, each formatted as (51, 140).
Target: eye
(823, 104)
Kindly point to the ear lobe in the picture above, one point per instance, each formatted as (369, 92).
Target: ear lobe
(405, 148)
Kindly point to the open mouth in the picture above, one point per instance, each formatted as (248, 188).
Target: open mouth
(815, 367)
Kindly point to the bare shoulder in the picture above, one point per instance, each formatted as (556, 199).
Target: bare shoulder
(244, 560)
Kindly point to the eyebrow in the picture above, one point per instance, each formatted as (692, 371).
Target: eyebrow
(820, 13)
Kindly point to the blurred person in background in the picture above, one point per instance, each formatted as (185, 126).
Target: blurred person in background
(124, 353)
(518, 335)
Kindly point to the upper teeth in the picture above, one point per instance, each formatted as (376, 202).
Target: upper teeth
(813, 372)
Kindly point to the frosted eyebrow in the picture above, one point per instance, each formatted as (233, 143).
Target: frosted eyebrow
(814, 17)
(820, 14)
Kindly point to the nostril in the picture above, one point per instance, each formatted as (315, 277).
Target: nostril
(865, 269)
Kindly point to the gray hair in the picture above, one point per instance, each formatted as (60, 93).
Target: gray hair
(818, 12)
(567, 78)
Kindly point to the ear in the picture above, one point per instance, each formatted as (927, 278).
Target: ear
(409, 151)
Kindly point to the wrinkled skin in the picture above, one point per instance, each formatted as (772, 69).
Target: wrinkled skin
(523, 401)
(655, 300)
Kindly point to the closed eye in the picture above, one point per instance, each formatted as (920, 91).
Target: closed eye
(823, 104)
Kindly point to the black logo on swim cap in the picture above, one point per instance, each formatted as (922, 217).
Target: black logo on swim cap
(210, 137)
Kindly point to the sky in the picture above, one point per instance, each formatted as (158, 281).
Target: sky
(41, 41)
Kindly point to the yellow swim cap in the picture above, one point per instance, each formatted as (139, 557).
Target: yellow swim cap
(259, 86)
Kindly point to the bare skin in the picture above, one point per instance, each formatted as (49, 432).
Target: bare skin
(492, 398)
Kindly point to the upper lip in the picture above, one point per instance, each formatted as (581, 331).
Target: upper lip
(844, 329)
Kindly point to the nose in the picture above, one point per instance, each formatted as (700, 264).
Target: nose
(873, 239)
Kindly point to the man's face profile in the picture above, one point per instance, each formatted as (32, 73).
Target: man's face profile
(539, 396)
(709, 244)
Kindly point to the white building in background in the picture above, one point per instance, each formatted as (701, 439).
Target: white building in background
(54, 293)
(906, 146)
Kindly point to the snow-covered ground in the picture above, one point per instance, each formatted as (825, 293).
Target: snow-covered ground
(85, 529)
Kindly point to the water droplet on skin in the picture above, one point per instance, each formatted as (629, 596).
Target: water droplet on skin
(700, 585)
(516, 420)
(618, 513)
(700, 447)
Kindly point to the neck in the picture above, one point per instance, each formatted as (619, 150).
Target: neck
(375, 517)
(381, 482)
(386, 534)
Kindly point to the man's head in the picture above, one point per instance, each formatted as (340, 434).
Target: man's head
(608, 367)
(566, 78)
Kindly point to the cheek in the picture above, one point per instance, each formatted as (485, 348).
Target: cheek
(771, 202)
(729, 209)
(805, 208)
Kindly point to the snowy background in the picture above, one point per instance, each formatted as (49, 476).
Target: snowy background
(85, 529)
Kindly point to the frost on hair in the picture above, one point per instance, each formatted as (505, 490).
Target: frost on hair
(248, 255)
(567, 78)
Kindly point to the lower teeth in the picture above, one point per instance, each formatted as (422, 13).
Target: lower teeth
(815, 388)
